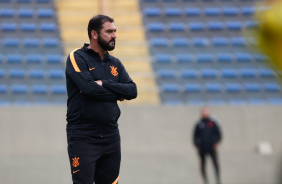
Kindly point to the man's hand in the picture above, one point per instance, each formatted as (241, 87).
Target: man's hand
(99, 82)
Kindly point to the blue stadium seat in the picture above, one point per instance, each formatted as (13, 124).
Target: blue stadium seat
(248, 72)
(17, 73)
(14, 58)
(216, 26)
(51, 42)
(150, 1)
(224, 57)
(213, 87)
(23, 1)
(35, 73)
(220, 41)
(275, 101)
(184, 58)
(166, 73)
(212, 11)
(54, 58)
(192, 11)
(11, 42)
(34, 58)
(1, 58)
(189, 73)
(3, 88)
(39, 89)
(251, 24)
(233, 87)
(5, 0)
(156, 27)
(200, 42)
(59, 89)
(204, 57)
(260, 57)
(196, 26)
(172, 11)
(209, 73)
(2, 73)
(152, 12)
(271, 87)
(43, 1)
(170, 88)
(48, 27)
(176, 26)
(265, 72)
(238, 41)
(252, 87)
(9, 27)
(230, 11)
(26, 12)
(180, 42)
(234, 25)
(56, 74)
(28, 27)
(192, 88)
(256, 101)
(31, 42)
(229, 73)
(163, 58)
(243, 57)
(7, 12)
(246, 10)
(19, 89)
(45, 13)
(159, 42)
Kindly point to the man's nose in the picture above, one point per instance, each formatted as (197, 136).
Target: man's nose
(114, 35)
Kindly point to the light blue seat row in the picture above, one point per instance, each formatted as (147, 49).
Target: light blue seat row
(44, 27)
(33, 73)
(30, 42)
(32, 58)
(26, 1)
(35, 89)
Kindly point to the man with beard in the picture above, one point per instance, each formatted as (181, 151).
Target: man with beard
(207, 136)
(95, 82)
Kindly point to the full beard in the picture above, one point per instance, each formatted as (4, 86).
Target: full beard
(106, 45)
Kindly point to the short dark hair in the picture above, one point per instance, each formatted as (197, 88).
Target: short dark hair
(96, 23)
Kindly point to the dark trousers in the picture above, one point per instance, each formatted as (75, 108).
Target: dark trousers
(213, 154)
(94, 159)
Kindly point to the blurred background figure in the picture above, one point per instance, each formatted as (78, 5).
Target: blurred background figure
(207, 136)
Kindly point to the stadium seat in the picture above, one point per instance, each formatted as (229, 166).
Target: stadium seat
(233, 87)
(229, 73)
(45, 13)
(166, 73)
(224, 57)
(5, 0)
(248, 72)
(28, 27)
(26, 13)
(275, 101)
(180, 42)
(39, 89)
(234, 25)
(204, 58)
(238, 41)
(220, 41)
(19, 89)
(59, 89)
(252, 87)
(48, 27)
(271, 87)
(184, 58)
(246, 10)
(172, 11)
(54, 58)
(163, 58)
(34, 58)
(43, 1)
(35, 73)
(150, 0)
(1, 58)
(7, 12)
(243, 57)
(159, 42)
(192, 88)
(212, 11)
(256, 101)
(251, 24)
(216, 26)
(152, 12)
(9, 27)
(265, 72)
(260, 57)
(14, 58)
(213, 87)
(24, 1)
(156, 27)
(208, 73)
(230, 11)
(31, 42)
(189, 73)
(51, 42)
(2, 73)
(196, 26)
(200, 42)
(171, 88)
(11, 42)
(176, 26)
(17, 73)
(3, 88)
(192, 11)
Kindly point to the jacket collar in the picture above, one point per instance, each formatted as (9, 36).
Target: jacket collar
(96, 54)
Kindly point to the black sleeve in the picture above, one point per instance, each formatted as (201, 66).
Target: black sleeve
(196, 136)
(217, 133)
(125, 87)
(77, 69)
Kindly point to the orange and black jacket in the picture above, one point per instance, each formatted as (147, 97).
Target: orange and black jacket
(93, 109)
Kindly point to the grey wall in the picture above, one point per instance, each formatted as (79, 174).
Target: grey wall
(156, 145)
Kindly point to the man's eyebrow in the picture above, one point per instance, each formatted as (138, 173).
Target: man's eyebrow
(112, 30)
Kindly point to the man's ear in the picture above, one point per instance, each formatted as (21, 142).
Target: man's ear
(94, 35)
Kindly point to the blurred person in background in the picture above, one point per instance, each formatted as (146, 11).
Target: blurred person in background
(95, 82)
(206, 138)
